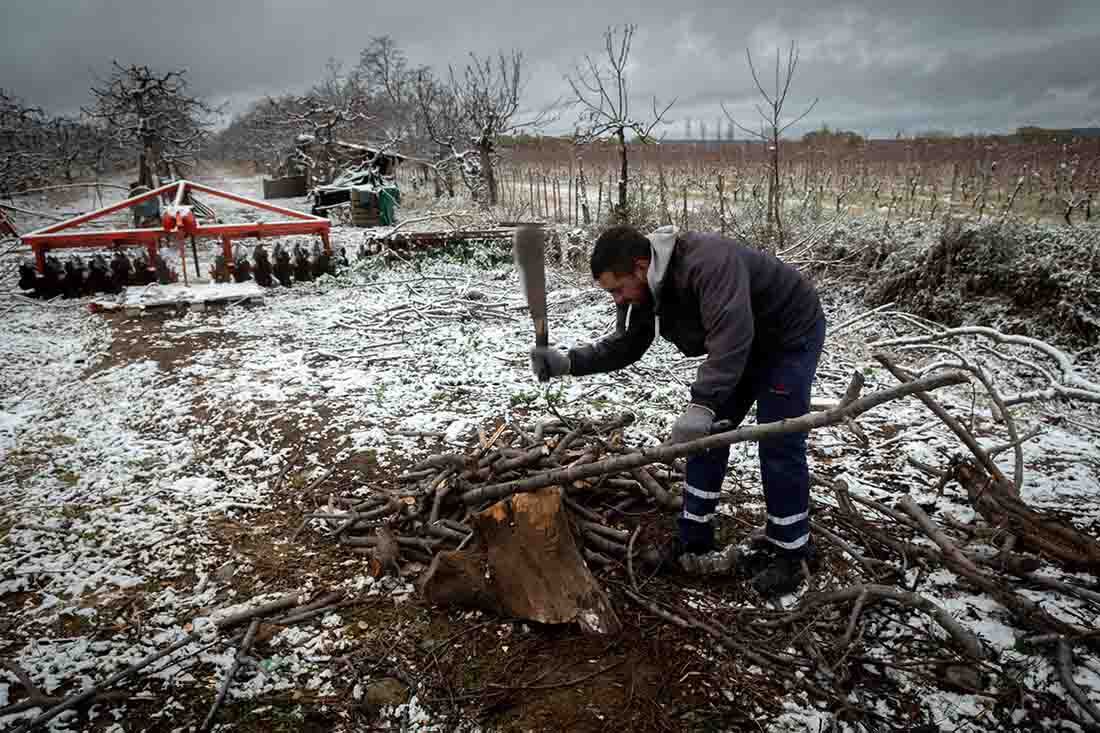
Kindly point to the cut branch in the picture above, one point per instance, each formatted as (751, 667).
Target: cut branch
(666, 453)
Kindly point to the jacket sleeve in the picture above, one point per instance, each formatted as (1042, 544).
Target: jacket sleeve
(725, 306)
(619, 349)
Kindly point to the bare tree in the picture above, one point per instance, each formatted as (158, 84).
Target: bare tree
(156, 112)
(310, 132)
(251, 137)
(604, 100)
(390, 82)
(772, 128)
(439, 114)
(477, 105)
(75, 146)
(319, 124)
(23, 159)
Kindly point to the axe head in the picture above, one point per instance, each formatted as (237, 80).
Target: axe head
(528, 248)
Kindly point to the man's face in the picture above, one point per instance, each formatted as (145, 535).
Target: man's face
(626, 288)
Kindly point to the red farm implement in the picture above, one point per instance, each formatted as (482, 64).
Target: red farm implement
(177, 222)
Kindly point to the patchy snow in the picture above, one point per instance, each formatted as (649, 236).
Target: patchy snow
(112, 473)
(178, 293)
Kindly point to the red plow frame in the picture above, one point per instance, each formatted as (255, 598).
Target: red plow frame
(177, 221)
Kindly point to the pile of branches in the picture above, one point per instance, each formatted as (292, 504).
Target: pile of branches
(614, 492)
(1030, 278)
(589, 459)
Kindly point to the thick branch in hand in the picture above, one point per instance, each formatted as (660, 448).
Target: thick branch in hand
(848, 408)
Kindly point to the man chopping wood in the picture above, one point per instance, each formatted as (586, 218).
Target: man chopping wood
(760, 324)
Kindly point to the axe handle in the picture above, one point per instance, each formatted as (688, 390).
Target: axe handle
(542, 333)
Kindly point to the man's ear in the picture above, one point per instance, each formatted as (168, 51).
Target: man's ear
(641, 267)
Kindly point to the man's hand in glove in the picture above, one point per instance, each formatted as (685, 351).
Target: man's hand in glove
(547, 363)
(696, 422)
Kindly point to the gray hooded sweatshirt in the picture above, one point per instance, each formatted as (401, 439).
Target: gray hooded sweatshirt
(714, 296)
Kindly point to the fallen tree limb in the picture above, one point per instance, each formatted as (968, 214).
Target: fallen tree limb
(1070, 387)
(850, 406)
(1065, 672)
(1014, 441)
(967, 641)
(1054, 538)
(1027, 612)
(956, 427)
(223, 690)
(909, 506)
(78, 698)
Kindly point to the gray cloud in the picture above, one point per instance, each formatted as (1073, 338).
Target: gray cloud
(877, 66)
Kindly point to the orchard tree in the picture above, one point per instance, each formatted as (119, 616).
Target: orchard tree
(389, 81)
(603, 96)
(476, 106)
(438, 111)
(327, 125)
(773, 125)
(156, 113)
(250, 137)
(75, 146)
(318, 128)
(23, 144)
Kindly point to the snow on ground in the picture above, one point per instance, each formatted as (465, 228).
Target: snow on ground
(111, 469)
(178, 293)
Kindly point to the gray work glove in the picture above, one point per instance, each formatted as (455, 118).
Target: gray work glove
(696, 422)
(547, 363)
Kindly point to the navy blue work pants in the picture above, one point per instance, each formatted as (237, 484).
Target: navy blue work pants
(779, 383)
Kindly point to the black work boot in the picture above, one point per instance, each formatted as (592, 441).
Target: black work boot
(784, 572)
(756, 553)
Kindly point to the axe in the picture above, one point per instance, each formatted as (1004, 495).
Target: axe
(528, 245)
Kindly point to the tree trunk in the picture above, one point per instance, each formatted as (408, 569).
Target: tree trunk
(488, 175)
(583, 187)
(525, 563)
(774, 193)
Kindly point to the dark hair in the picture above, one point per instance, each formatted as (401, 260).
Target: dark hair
(616, 250)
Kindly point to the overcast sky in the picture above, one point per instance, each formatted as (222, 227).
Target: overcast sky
(878, 67)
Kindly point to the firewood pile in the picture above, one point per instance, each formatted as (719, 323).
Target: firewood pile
(495, 526)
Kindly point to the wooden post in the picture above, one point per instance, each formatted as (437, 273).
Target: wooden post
(567, 205)
(721, 206)
(583, 192)
(599, 199)
(545, 199)
(576, 201)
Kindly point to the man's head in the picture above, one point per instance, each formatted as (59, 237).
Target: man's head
(620, 261)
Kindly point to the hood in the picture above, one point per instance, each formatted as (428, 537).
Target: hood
(661, 243)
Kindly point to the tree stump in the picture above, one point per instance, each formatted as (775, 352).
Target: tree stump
(525, 564)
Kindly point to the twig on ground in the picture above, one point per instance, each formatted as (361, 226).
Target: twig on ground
(223, 689)
(1065, 672)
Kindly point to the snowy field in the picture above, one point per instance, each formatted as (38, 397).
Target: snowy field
(154, 471)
